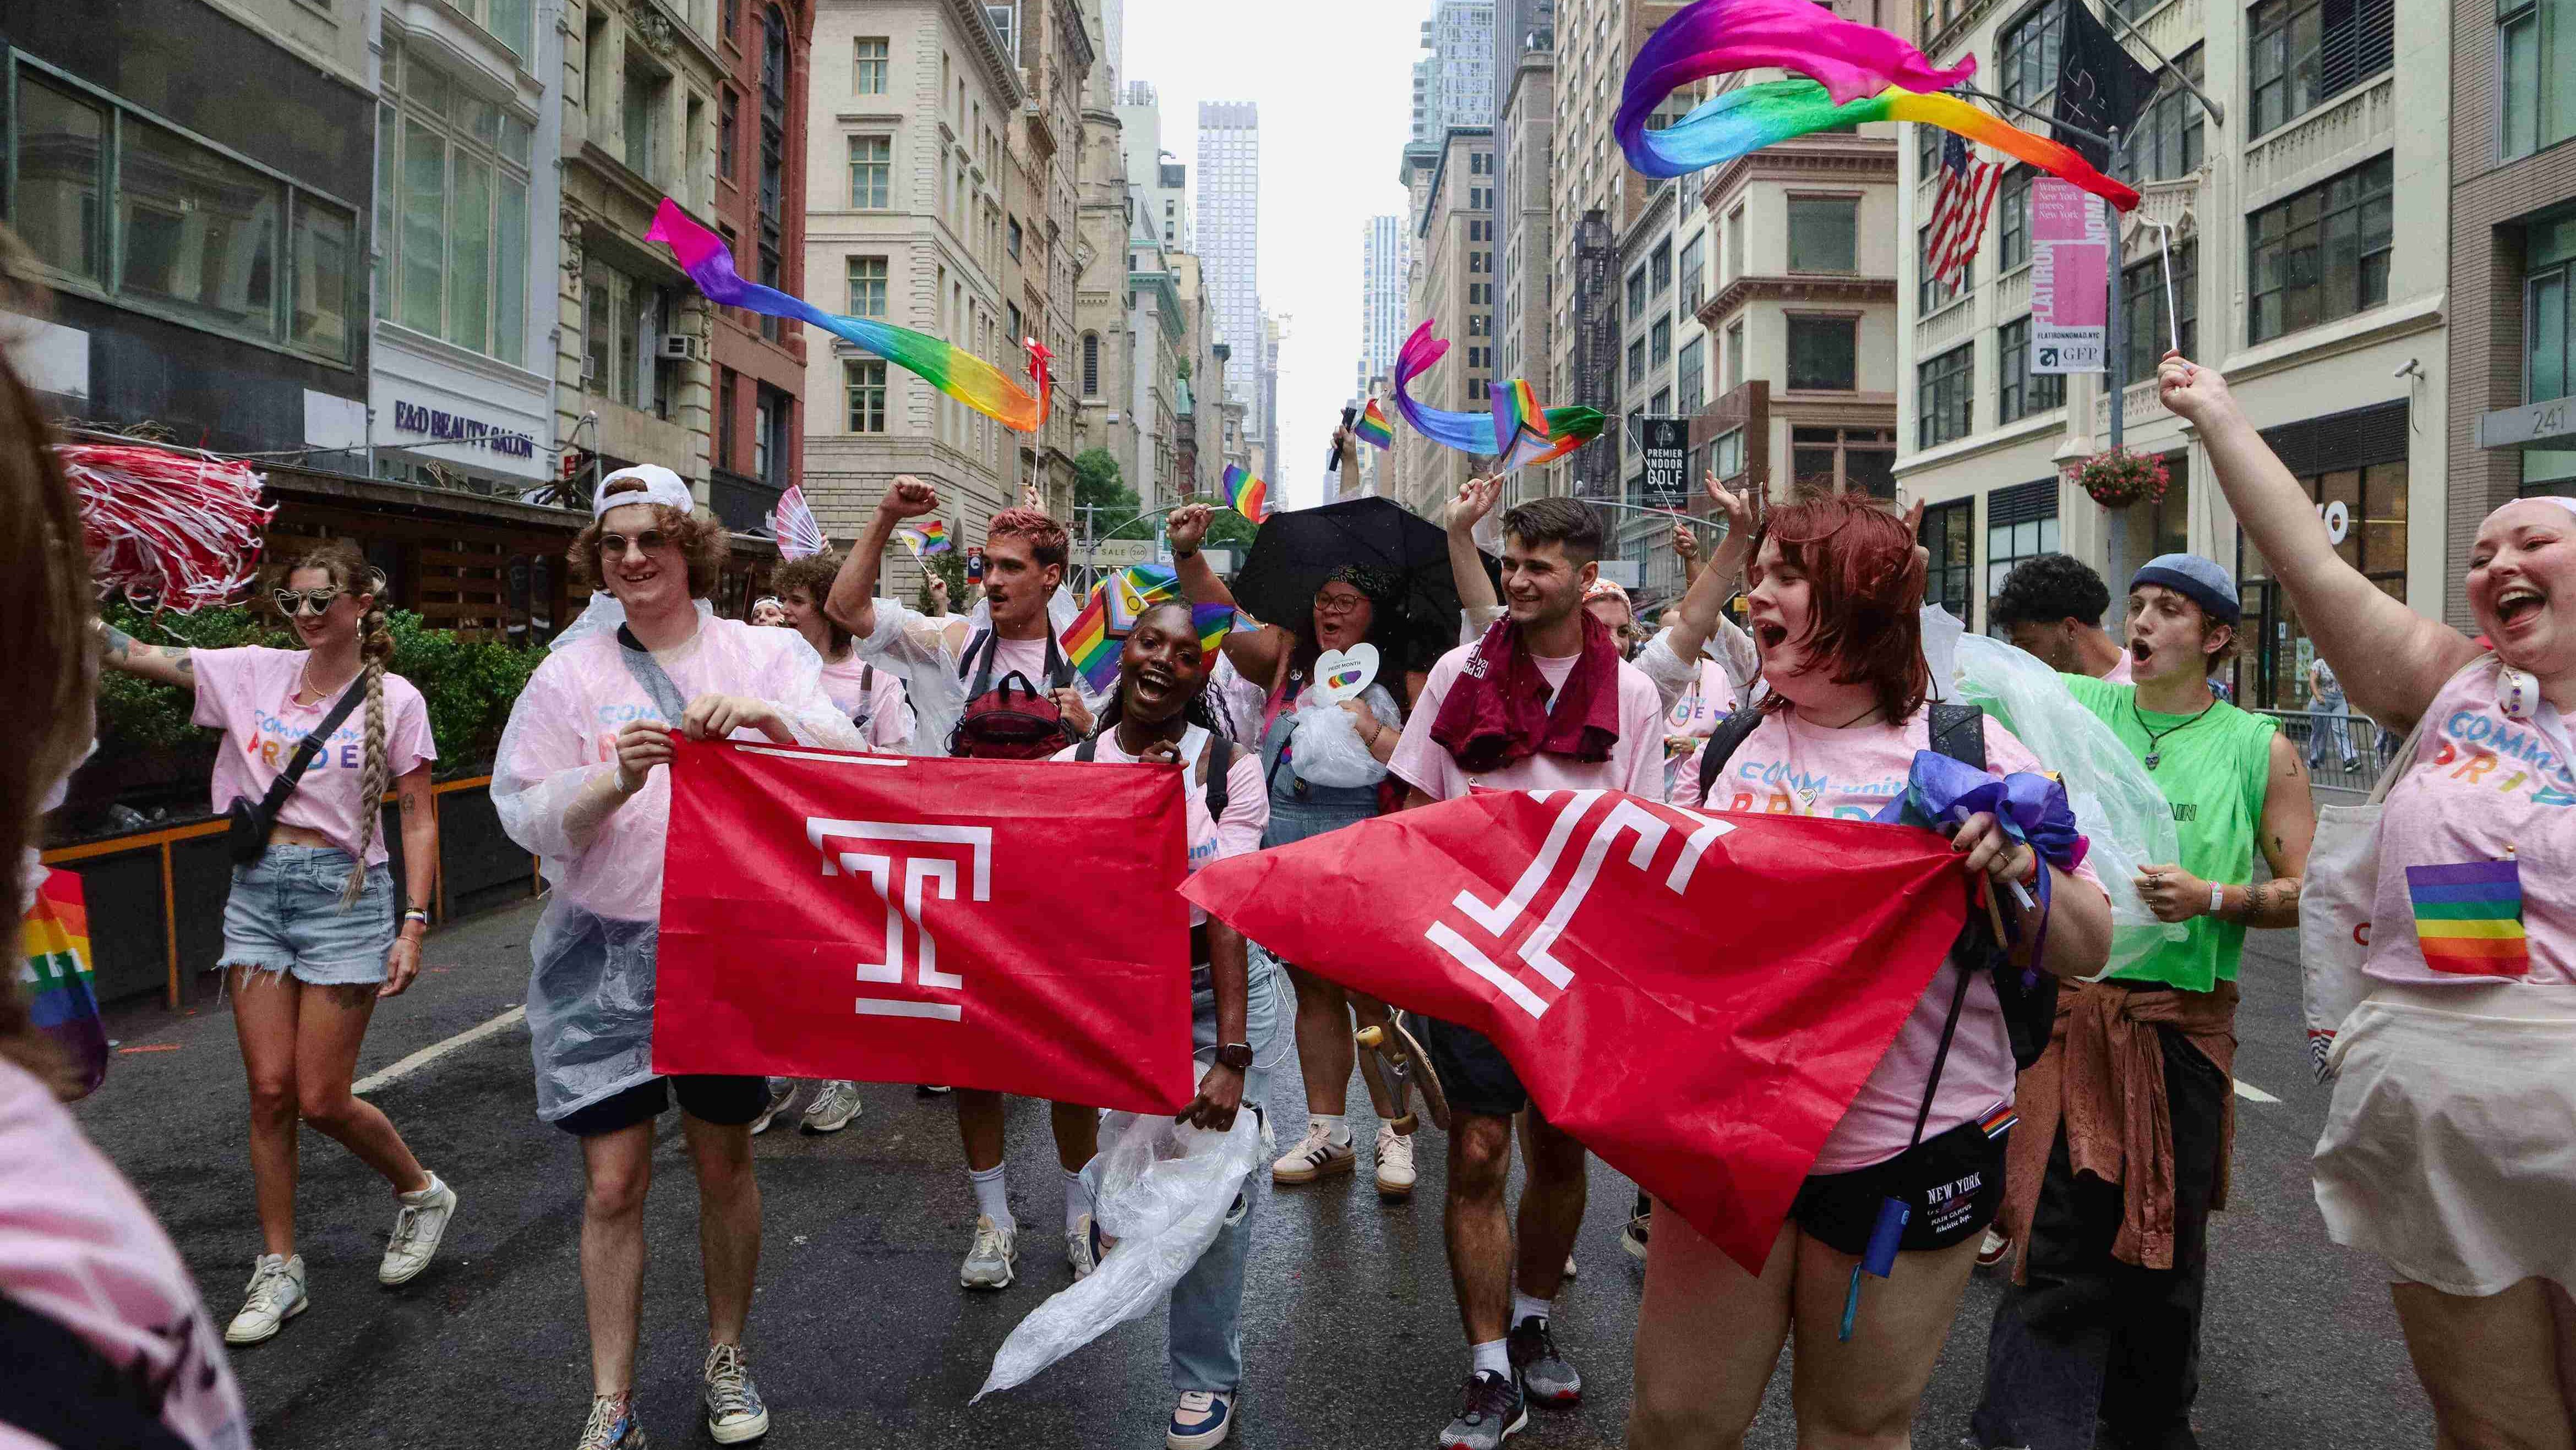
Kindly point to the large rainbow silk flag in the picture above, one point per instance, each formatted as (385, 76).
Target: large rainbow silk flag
(2468, 918)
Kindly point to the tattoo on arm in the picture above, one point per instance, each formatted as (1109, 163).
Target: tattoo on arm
(186, 662)
(118, 642)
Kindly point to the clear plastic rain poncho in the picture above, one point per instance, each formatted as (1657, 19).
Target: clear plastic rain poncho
(919, 649)
(590, 993)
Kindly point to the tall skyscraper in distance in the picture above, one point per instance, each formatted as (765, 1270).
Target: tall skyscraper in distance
(1229, 237)
(1164, 182)
(1519, 26)
(1386, 251)
(1454, 84)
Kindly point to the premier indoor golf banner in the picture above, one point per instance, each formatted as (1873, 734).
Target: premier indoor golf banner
(1010, 925)
(1697, 997)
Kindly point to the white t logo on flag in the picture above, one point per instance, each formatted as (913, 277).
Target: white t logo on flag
(902, 872)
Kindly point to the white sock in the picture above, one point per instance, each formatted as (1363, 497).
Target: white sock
(419, 1196)
(1339, 1130)
(1077, 1200)
(1494, 1355)
(992, 1198)
(1524, 1306)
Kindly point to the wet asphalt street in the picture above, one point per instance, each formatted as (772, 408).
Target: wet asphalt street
(860, 1336)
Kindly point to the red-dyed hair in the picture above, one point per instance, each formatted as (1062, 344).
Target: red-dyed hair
(1048, 543)
(1866, 586)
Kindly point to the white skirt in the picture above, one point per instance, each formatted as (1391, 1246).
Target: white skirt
(2450, 1146)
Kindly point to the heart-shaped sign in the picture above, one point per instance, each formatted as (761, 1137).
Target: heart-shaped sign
(1342, 673)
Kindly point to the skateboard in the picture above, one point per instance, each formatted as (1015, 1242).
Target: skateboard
(1393, 1061)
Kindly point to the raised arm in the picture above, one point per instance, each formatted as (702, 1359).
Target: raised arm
(1466, 562)
(853, 602)
(121, 651)
(1256, 652)
(2392, 661)
(1704, 603)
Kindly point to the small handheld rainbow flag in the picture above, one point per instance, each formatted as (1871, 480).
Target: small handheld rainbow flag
(2468, 918)
(1246, 494)
(62, 999)
(929, 536)
(1373, 428)
(1116, 601)
(1214, 622)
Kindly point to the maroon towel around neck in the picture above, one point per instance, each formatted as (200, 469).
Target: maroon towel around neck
(1497, 709)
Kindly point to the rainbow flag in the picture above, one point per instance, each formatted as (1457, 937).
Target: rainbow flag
(929, 536)
(1373, 427)
(1245, 494)
(62, 996)
(2468, 918)
(1116, 601)
(1214, 623)
(1520, 428)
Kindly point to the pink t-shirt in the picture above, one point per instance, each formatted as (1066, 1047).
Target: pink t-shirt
(78, 1247)
(249, 694)
(1788, 767)
(1708, 701)
(2485, 788)
(860, 689)
(1247, 804)
(2119, 674)
(1636, 763)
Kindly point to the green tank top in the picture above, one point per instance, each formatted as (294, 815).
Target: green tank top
(2213, 772)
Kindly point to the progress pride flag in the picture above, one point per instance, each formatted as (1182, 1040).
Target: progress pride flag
(1697, 997)
(871, 917)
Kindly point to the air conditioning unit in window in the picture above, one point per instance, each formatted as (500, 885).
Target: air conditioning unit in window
(682, 348)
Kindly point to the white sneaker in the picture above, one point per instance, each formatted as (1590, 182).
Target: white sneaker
(833, 1108)
(734, 1409)
(1079, 1250)
(418, 1226)
(1314, 1156)
(1394, 1163)
(990, 1259)
(275, 1295)
(782, 1091)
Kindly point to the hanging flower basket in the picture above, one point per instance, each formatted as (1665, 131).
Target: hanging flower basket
(2119, 478)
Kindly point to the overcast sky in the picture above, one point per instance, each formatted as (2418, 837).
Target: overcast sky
(1334, 80)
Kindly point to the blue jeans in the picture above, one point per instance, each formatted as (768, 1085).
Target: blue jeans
(1207, 1304)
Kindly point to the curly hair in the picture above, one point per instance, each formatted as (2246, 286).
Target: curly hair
(349, 569)
(1048, 542)
(701, 539)
(2049, 588)
(1866, 588)
(814, 575)
(1195, 710)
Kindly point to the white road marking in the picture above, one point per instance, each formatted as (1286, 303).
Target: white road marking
(2252, 1094)
(437, 1050)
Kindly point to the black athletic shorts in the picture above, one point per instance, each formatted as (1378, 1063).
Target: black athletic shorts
(1473, 1071)
(724, 1100)
(1954, 1182)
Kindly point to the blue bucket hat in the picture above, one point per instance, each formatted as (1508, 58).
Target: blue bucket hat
(2204, 582)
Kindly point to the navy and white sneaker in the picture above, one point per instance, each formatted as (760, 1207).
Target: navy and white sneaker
(1491, 1409)
(1201, 1420)
(1545, 1373)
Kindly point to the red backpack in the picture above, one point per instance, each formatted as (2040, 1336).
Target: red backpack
(1010, 719)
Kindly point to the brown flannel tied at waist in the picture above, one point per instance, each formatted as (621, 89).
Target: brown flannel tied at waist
(2103, 1078)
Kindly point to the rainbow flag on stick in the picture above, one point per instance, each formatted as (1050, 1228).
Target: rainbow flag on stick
(2468, 918)
(929, 536)
(1092, 639)
(1246, 494)
(1373, 428)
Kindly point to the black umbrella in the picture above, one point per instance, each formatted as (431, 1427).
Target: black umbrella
(1294, 552)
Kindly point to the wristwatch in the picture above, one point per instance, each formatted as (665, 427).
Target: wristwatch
(1236, 1055)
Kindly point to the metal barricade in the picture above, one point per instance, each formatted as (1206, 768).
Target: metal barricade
(2343, 751)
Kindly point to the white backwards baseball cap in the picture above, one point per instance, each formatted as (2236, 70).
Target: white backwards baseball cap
(661, 486)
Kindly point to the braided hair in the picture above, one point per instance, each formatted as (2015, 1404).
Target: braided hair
(349, 569)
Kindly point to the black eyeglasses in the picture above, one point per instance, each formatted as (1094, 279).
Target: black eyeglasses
(612, 545)
(292, 602)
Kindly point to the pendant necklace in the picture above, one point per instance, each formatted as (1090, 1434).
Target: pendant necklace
(2156, 738)
(1807, 795)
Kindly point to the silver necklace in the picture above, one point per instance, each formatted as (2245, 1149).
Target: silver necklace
(1806, 795)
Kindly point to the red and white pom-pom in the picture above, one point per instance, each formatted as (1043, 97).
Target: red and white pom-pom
(798, 533)
(174, 530)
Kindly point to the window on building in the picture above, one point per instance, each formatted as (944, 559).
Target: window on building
(867, 286)
(1941, 396)
(2549, 311)
(1824, 234)
(776, 414)
(1637, 293)
(1734, 356)
(2021, 391)
(1931, 294)
(1824, 353)
(2012, 220)
(728, 133)
(622, 328)
(1691, 377)
(1694, 272)
(2272, 672)
(871, 172)
(2148, 326)
(724, 418)
(1660, 341)
(2026, 57)
(870, 65)
(1637, 361)
(1927, 151)
(2167, 141)
(1734, 243)
(2537, 40)
(1015, 235)
(2306, 52)
(1661, 405)
(732, 18)
(646, 98)
(454, 187)
(1948, 533)
(2322, 253)
(1478, 324)
(1091, 364)
(2021, 523)
(1661, 265)
(773, 159)
(1478, 389)
(1726, 455)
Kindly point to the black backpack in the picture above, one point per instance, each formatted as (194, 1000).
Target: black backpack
(1220, 760)
(1959, 732)
(1014, 719)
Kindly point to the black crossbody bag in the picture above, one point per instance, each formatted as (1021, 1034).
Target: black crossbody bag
(247, 825)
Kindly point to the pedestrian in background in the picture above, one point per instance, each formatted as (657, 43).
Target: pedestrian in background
(2326, 723)
(2446, 1146)
(2052, 607)
(314, 936)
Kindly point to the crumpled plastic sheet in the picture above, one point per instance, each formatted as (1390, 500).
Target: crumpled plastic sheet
(2116, 803)
(1163, 1190)
(1327, 743)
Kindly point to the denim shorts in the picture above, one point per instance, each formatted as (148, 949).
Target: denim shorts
(284, 915)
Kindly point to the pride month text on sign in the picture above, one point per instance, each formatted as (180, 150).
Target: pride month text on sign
(872, 917)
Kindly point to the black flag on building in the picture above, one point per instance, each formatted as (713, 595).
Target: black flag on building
(2099, 85)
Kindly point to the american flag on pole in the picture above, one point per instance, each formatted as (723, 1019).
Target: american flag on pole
(1959, 211)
